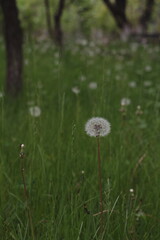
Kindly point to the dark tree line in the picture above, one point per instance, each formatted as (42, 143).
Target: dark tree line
(118, 11)
(13, 33)
(55, 30)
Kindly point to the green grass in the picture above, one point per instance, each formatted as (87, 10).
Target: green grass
(58, 150)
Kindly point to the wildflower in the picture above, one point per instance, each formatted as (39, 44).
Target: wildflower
(1, 94)
(125, 101)
(35, 111)
(82, 78)
(139, 110)
(76, 90)
(132, 84)
(97, 126)
(148, 68)
(147, 83)
(92, 85)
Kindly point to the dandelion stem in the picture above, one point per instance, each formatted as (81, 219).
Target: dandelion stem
(26, 193)
(100, 185)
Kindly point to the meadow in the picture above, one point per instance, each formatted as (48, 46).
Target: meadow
(60, 161)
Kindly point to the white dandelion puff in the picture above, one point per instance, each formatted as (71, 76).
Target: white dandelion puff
(76, 90)
(92, 85)
(35, 111)
(1, 94)
(125, 101)
(148, 68)
(82, 78)
(147, 83)
(132, 84)
(131, 190)
(97, 126)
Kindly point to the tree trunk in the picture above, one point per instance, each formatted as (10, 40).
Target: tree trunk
(58, 34)
(146, 15)
(13, 40)
(118, 11)
(48, 18)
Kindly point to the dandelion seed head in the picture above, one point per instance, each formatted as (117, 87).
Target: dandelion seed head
(125, 101)
(148, 68)
(92, 85)
(76, 90)
(82, 78)
(1, 94)
(35, 111)
(132, 84)
(147, 83)
(131, 190)
(22, 146)
(97, 126)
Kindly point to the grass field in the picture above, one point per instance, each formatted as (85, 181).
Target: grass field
(60, 164)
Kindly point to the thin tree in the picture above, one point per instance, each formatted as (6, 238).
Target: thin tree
(146, 15)
(48, 18)
(58, 33)
(118, 11)
(13, 40)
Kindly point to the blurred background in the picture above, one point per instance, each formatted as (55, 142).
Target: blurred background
(68, 22)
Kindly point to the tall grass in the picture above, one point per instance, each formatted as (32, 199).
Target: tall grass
(60, 165)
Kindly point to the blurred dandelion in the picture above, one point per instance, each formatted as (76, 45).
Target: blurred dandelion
(76, 90)
(1, 94)
(147, 83)
(132, 84)
(97, 127)
(139, 111)
(131, 190)
(148, 68)
(92, 85)
(82, 78)
(125, 101)
(35, 111)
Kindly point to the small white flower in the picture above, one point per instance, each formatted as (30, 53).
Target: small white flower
(26, 62)
(131, 190)
(132, 84)
(35, 111)
(82, 78)
(148, 68)
(97, 126)
(92, 85)
(147, 83)
(76, 90)
(118, 78)
(1, 94)
(125, 101)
